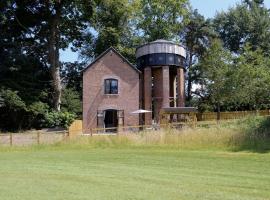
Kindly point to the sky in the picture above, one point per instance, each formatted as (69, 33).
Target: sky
(208, 8)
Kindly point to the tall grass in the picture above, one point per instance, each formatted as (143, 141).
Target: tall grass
(249, 134)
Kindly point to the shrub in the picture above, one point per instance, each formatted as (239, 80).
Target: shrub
(58, 119)
(12, 100)
(256, 134)
(255, 125)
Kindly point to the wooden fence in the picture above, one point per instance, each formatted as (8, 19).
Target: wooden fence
(75, 128)
(206, 118)
(31, 138)
(212, 116)
(39, 137)
(130, 129)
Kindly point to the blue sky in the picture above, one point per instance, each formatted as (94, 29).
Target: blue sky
(208, 8)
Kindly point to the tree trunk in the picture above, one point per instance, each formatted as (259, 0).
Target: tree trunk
(53, 58)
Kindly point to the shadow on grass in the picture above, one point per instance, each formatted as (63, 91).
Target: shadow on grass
(256, 137)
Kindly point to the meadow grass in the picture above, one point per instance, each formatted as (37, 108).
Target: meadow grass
(219, 162)
(249, 134)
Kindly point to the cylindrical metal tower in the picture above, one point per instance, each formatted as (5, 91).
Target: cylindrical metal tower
(162, 64)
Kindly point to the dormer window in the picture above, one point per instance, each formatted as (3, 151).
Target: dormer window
(111, 86)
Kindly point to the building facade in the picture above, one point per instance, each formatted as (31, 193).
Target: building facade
(113, 88)
(110, 92)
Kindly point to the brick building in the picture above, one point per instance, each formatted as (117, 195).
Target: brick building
(110, 92)
(113, 88)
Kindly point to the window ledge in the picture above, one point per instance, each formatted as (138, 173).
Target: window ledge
(111, 94)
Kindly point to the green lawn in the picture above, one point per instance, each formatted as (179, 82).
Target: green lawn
(132, 173)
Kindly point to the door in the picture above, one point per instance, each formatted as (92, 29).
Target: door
(111, 120)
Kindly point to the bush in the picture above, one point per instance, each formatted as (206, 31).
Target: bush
(18, 114)
(256, 135)
(256, 125)
(58, 119)
(12, 100)
(12, 110)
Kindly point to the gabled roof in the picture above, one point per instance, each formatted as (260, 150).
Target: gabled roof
(117, 53)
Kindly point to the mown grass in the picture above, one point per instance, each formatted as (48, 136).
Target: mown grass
(133, 173)
(220, 162)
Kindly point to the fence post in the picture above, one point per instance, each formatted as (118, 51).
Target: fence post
(194, 121)
(66, 135)
(10, 139)
(38, 137)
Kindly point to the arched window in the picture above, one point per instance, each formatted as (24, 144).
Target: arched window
(111, 86)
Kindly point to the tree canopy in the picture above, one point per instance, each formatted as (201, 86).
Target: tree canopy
(162, 19)
(248, 22)
(227, 65)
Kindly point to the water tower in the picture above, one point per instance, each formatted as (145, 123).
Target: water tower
(163, 85)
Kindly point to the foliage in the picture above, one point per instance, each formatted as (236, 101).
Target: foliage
(112, 18)
(17, 115)
(162, 19)
(42, 28)
(58, 119)
(32, 34)
(234, 82)
(248, 22)
(251, 79)
(216, 78)
(72, 73)
(256, 126)
(38, 108)
(12, 111)
(113, 24)
(71, 101)
(196, 37)
(12, 101)
(1, 101)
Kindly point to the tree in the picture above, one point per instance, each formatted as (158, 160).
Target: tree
(196, 36)
(216, 79)
(72, 75)
(71, 101)
(252, 77)
(32, 33)
(45, 28)
(113, 25)
(248, 22)
(162, 19)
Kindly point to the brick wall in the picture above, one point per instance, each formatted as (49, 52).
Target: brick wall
(181, 87)
(111, 65)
